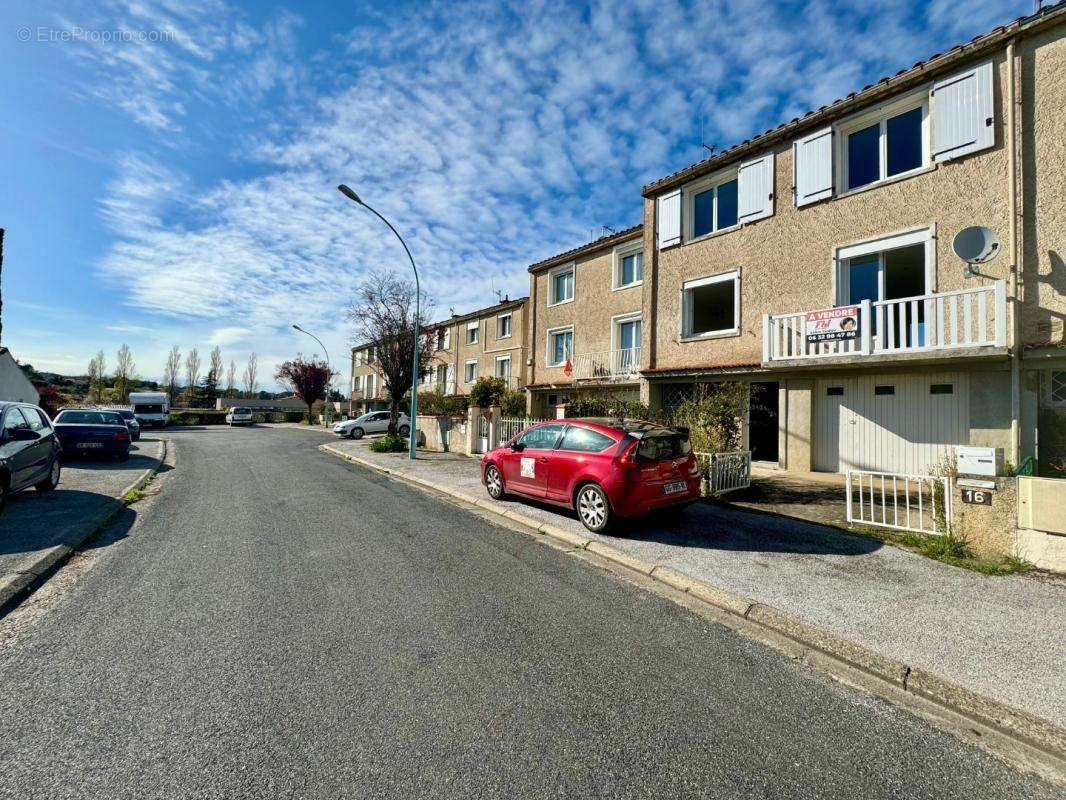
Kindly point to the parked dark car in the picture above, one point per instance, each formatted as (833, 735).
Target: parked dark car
(29, 450)
(131, 422)
(602, 468)
(92, 433)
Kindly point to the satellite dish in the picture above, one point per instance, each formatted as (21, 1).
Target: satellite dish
(976, 244)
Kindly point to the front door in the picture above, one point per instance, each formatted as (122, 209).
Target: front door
(525, 469)
(762, 421)
(19, 454)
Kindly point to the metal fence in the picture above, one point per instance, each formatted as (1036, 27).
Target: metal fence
(919, 503)
(512, 426)
(725, 472)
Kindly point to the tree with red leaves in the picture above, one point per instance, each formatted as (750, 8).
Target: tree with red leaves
(307, 378)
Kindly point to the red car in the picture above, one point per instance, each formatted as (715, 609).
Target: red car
(601, 468)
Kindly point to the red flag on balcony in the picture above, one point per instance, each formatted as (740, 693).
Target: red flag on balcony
(568, 368)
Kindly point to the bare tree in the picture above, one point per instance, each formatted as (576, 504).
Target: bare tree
(384, 315)
(216, 362)
(192, 368)
(251, 380)
(124, 373)
(231, 378)
(171, 371)
(96, 371)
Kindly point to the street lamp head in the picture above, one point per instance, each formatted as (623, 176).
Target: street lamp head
(298, 328)
(347, 192)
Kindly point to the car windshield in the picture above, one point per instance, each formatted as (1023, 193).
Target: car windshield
(89, 418)
(126, 414)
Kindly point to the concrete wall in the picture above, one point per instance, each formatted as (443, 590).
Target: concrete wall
(14, 385)
(988, 530)
(990, 409)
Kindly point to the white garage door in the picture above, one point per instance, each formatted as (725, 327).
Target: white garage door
(890, 423)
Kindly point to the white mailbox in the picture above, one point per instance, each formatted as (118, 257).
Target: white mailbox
(986, 461)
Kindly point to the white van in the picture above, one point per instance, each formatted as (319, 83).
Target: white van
(152, 409)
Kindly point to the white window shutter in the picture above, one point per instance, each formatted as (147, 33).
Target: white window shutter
(755, 189)
(812, 167)
(963, 119)
(447, 338)
(668, 214)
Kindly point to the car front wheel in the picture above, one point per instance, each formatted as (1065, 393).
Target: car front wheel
(405, 430)
(494, 482)
(52, 481)
(593, 508)
(357, 433)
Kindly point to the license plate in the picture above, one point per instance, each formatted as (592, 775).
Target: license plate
(88, 445)
(674, 488)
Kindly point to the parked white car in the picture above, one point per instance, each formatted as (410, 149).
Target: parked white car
(239, 416)
(372, 422)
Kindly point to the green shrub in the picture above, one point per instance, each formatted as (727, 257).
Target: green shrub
(945, 546)
(607, 404)
(197, 416)
(513, 403)
(487, 392)
(435, 403)
(713, 417)
(389, 444)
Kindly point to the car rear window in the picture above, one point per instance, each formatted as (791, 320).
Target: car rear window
(242, 411)
(126, 414)
(88, 418)
(663, 446)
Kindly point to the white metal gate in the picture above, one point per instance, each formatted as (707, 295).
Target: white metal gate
(920, 503)
(725, 472)
(893, 423)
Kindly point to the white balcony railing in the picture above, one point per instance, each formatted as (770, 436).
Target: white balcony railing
(610, 365)
(965, 318)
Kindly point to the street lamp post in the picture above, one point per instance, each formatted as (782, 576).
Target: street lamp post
(412, 444)
(329, 367)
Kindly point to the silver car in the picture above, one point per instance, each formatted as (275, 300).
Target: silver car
(372, 422)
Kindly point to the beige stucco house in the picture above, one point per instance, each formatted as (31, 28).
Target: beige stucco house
(815, 262)
(586, 320)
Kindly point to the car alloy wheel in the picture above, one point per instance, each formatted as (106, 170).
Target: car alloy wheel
(52, 481)
(592, 508)
(357, 433)
(405, 430)
(494, 482)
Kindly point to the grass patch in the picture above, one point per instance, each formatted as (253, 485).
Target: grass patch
(947, 549)
(133, 495)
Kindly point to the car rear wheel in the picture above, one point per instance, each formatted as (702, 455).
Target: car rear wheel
(593, 508)
(52, 481)
(405, 430)
(494, 482)
(3, 494)
(357, 433)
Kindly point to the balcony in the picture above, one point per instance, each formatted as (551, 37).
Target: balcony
(609, 366)
(932, 324)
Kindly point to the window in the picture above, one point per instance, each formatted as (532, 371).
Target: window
(941, 388)
(884, 390)
(503, 367)
(471, 333)
(711, 205)
(14, 420)
(711, 306)
(886, 143)
(503, 323)
(628, 265)
(835, 391)
(470, 371)
(626, 356)
(582, 440)
(542, 437)
(38, 420)
(560, 346)
(562, 285)
(558, 399)
(1057, 386)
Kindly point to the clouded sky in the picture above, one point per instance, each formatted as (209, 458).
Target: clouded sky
(168, 167)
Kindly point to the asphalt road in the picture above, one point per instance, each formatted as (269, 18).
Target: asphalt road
(278, 623)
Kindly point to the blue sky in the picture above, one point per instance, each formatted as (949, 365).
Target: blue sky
(178, 187)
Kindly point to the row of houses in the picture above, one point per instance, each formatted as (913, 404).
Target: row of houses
(814, 263)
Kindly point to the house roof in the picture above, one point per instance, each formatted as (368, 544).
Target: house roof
(597, 244)
(919, 73)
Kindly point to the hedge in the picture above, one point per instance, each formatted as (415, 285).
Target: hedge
(197, 416)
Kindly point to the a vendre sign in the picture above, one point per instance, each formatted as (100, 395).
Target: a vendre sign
(832, 324)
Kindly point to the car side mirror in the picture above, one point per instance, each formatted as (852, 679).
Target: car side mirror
(518, 447)
(24, 435)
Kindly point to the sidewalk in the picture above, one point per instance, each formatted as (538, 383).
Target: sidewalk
(1000, 637)
(39, 530)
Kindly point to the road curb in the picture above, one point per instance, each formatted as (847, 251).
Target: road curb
(15, 587)
(1019, 726)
